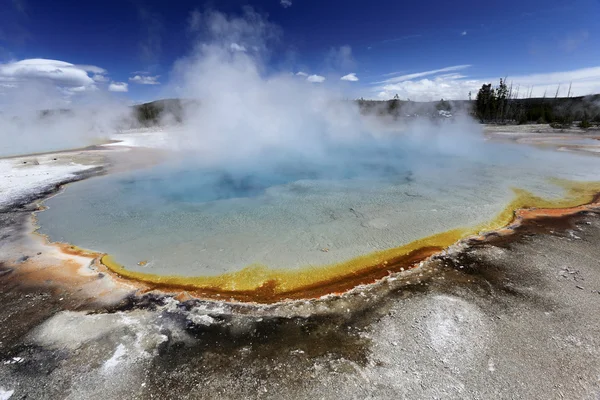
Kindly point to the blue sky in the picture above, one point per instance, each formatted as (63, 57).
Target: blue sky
(418, 49)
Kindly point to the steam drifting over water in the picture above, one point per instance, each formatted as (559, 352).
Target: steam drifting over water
(269, 169)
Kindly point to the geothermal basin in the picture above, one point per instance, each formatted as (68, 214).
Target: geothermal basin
(293, 220)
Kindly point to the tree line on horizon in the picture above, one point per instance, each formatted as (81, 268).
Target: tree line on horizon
(497, 104)
(501, 105)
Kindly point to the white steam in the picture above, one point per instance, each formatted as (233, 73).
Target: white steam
(39, 114)
(241, 111)
(246, 128)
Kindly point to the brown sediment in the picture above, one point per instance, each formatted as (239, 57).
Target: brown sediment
(68, 273)
(277, 285)
(38, 264)
(260, 284)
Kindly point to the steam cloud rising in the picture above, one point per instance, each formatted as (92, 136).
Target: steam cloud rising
(244, 126)
(37, 116)
(245, 129)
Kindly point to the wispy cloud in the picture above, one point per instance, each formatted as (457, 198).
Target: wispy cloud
(300, 73)
(285, 3)
(464, 33)
(100, 78)
(393, 73)
(435, 84)
(315, 79)
(350, 77)
(145, 79)
(415, 75)
(118, 87)
(589, 76)
(91, 68)
(237, 47)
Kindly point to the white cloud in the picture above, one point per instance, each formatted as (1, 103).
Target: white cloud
(300, 73)
(99, 78)
(457, 86)
(62, 74)
(584, 81)
(92, 68)
(464, 33)
(118, 87)
(408, 77)
(237, 47)
(145, 80)
(350, 77)
(285, 3)
(429, 89)
(77, 89)
(316, 79)
(65, 78)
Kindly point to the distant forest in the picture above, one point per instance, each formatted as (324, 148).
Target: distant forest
(491, 105)
(501, 104)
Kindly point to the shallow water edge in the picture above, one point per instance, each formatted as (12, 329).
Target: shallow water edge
(261, 284)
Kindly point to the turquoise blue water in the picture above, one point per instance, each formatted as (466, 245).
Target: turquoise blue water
(285, 208)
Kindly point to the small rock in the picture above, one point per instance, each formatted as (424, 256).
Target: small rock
(579, 287)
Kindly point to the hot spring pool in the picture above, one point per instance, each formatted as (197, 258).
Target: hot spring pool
(284, 211)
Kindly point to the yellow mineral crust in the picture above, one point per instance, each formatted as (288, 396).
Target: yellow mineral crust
(259, 283)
